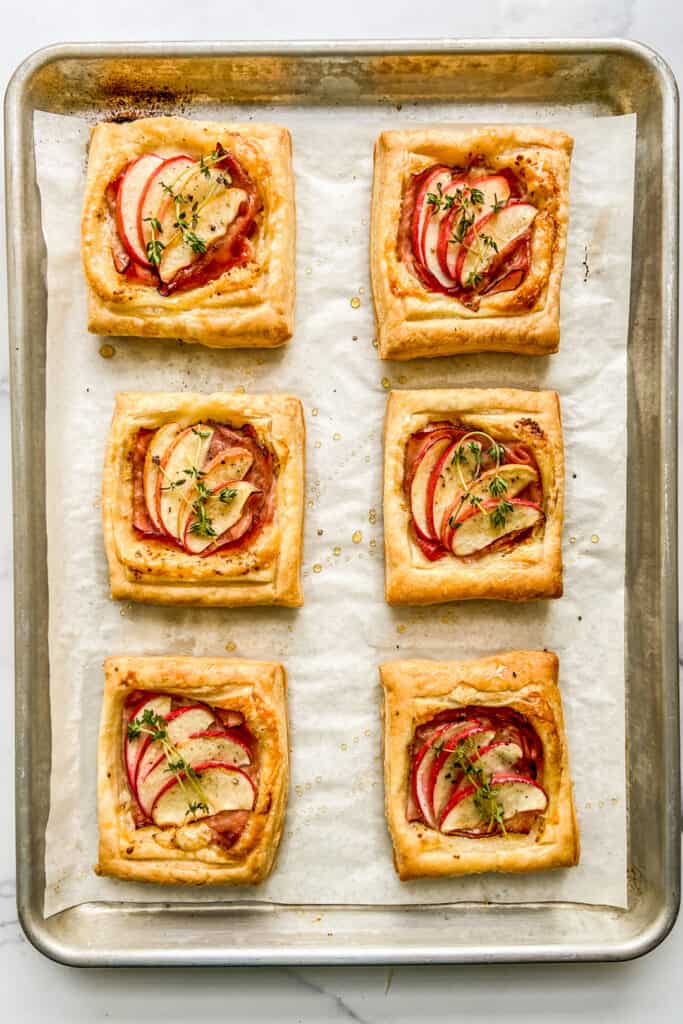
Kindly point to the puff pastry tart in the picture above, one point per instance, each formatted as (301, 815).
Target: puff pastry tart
(188, 231)
(473, 495)
(203, 499)
(468, 239)
(192, 769)
(476, 766)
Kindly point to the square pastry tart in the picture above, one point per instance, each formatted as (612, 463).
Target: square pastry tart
(476, 769)
(468, 238)
(193, 769)
(203, 499)
(473, 495)
(188, 231)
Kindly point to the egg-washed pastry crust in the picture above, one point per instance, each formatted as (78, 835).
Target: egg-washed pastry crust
(414, 321)
(266, 569)
(530, 569)
(257, 689)
(416, 691)
(249, 306)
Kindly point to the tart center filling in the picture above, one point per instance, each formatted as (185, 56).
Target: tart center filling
(187, 762)
(181, 222)
(467, 233)
(202, 488)
(470, 494)
(477, 772)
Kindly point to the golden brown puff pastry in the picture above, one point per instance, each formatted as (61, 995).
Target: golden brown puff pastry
(471, 744)
(496, 523)
(468, 238)
(219, 217)
(203, 499)
(216, 816)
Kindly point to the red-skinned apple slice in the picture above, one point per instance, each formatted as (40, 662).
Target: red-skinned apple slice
(211, 221)
(188, 720)
(446, 481)
(445, 771)
(128, 196)
(230, 464)
(499, 757)
(155, 201)
(225, 787)
(423, 763)
(223, 509)
(423, 208)
(136, 746)
(211, 745)
(175, 487)
(504, 227)
(158, 447)
(515, 794)
(448, 501)
(420, 498)
(477, 531)
(495, 189)
(432, 233)
(183, 722)
(222, 513)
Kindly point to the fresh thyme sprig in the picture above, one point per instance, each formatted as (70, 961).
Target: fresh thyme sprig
(497, 486)
(183, 224)
(156, 727)
(467, 758)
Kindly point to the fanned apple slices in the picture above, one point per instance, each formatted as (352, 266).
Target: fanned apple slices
(188, 761)
(467, 492)
(182, 219)
(470, 230)
(201, 487)
(478, 772)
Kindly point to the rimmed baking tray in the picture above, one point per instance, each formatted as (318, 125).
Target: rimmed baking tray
(596, 77)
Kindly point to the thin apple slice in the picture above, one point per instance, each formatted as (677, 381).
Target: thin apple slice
(230, 464)
(446, 481)
(478, 531)
(452, 501)
(182, 724)
(500, 757)
(437, 179)
(222, 510)
(495, 189)
(155, 199)
(423, 762)
(225, 787)
(212, 222)
(515, 794)
(432, 233)
(215, 745)
(176, 482)
(502, 229)
(136, 746)
(446, 773)
(429, 456)
(211, 745)
(158, 446)
(127, 201)
(187, 720)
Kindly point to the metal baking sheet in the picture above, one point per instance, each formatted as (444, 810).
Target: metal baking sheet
(584, 77)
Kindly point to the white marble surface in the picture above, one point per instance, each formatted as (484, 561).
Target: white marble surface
(34, 989)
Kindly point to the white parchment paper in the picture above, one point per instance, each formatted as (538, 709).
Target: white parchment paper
(336, 848)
